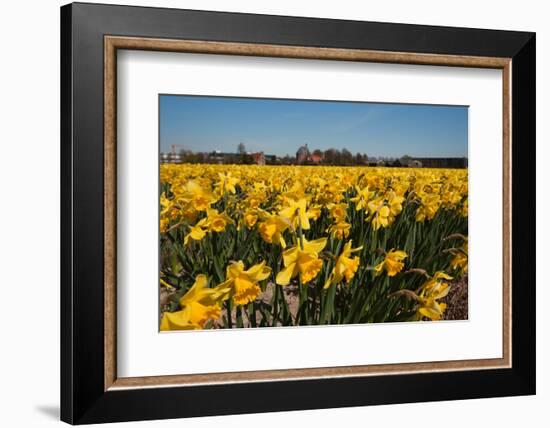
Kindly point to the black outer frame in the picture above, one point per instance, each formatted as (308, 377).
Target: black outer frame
(83, 399)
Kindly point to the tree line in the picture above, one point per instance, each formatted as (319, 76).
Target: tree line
(327, 157)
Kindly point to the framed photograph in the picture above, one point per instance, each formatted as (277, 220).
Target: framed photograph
(266, 213)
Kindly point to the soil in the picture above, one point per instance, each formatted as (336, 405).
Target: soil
(457, 300)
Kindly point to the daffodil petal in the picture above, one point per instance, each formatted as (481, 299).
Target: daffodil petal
(284, 276)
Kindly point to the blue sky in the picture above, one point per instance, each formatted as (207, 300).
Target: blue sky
(279, 127)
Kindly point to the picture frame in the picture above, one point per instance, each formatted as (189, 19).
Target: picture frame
(91, 35)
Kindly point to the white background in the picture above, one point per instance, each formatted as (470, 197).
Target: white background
(141, 349)
(29, 177)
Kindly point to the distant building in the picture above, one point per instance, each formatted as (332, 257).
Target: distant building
(302, 155)
(170, 158)
(316, 158)
(217, 157)
(259, 158)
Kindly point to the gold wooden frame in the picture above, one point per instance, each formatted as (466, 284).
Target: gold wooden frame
(113, 43)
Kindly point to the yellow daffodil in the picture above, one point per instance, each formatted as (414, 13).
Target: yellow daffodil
(395, 203)
(216, 221)
(302, 261)
(429, 204)
(340, 230)
(431, 291)
(314, 212)
(383, 210)
(200, 198)
(255, 199)
(199, 305)
(295, 193)
(427, 296)
(164, 223)
(272, 228)
(165, 203)
(338, 212)
(346, 266)
(392, 263)
(379, 214)
(460, 260)
(250, 218)
(464, 209)
(244, 283)
(226, 183)
(450, 198)
(168, 212)
(197, 232)
(296, 212)
(362, 198)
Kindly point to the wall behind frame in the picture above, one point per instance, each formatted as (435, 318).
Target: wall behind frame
(29, 177)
